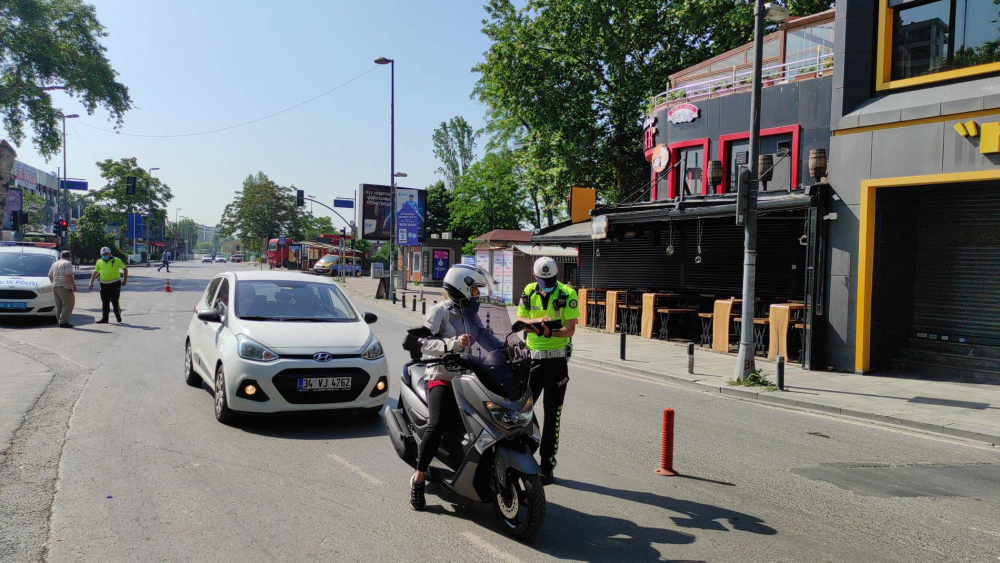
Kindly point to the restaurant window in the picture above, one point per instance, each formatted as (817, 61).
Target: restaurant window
(807, 42)
(739, 156)
(942, 35)
(690, 170)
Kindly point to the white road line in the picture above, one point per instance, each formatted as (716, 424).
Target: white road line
(355, 469)
(490, 548)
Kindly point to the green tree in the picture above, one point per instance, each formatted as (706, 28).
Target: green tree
(150, 198)
(262, 210)
(36, 209)
(454, 143)
(184, 230)
(216, 243)
(86, 241)
(310, 227)
(53, 42)
(438, 214)
(488, 196)
(204, 247)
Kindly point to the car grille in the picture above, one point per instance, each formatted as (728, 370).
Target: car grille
(310, 356)
(286, 382)
(17, 294)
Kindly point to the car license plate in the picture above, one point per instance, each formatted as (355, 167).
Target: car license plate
(13, 305)
(324, 383)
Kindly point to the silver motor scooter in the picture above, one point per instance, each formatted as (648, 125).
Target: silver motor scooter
(490, 459)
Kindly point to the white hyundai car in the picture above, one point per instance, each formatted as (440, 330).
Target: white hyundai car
(269, 342)
(25, 289)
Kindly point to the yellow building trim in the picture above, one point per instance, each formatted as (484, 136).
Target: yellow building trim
(866, 247)
(971, 128)
(923, 121)
(883, 59)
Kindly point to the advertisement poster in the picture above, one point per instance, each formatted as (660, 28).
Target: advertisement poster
(469, 260)
(410, 215)
(508, 277)
(13, 206)
(498, 271)
(483, 259)
(441, 264)
(25, 176)
(376, 214)
(294, 256)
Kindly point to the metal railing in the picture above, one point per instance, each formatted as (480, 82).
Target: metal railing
(738, 81)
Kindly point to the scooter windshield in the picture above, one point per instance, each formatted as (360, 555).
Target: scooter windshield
(497, 357)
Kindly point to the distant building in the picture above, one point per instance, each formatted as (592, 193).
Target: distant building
(206, 233)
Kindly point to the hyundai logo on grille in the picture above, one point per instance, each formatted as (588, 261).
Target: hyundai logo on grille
(323, 356)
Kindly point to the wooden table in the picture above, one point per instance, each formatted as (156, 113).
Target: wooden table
(581, 297)
(611, 306)
(722, 314)
(781, 320)
(649, 312)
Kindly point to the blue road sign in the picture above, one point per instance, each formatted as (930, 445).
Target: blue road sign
(79, 185)
(281, 240)
(134, 226)
(344, 203)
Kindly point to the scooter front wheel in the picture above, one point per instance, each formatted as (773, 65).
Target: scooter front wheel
(521, 505)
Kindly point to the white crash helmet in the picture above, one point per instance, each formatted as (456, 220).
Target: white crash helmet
(460, 280)
(546, 272)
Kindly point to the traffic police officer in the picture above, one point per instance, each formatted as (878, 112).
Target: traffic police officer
(548, 299)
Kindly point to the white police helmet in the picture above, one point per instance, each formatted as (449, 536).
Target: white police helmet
(460, 280)
(546, 272)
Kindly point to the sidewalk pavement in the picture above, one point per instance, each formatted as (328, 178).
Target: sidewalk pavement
(23, 381)
(963, 410)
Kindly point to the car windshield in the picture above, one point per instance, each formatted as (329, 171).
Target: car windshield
(292, 301)
(23, 264)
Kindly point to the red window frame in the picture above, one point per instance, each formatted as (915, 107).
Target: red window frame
(726, 140)
(672, 177)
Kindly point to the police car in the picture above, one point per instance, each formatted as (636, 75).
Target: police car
(25, 289)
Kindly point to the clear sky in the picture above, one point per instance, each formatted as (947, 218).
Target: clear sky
(197, 65)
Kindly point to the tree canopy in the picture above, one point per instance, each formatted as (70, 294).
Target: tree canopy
(262, 210)
(438, 215)
(454, 143)
(46, 43)
(151, 194)
(488, 196)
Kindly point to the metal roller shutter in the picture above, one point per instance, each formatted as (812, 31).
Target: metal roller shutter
(957, 286)
(632, 264)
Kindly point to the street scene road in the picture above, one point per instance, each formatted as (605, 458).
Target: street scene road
(111, 457)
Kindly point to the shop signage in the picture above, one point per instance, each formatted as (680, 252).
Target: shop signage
(648, 135)
(26, 176)
(599, 227)
(441, 263)
(988, 133)
(683, 113)
(661, 158)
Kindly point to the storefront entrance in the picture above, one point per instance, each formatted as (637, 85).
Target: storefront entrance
(935, 299)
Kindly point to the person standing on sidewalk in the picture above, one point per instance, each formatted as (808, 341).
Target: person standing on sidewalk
(63, 287)
(166, 261)
(549, 300)
(114, 275)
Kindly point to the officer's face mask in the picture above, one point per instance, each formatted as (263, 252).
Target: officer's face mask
(105, 256)
(548, 289)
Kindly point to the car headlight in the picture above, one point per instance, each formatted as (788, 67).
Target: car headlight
(373, 351)
(511, 418)
(250, 349)
(45, 288)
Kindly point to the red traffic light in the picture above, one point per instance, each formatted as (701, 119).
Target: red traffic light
(63, 224)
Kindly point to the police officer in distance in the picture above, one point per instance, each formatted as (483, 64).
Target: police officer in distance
(548, 299)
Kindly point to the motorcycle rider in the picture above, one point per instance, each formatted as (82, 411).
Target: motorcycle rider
(454, 327)
(549, 299)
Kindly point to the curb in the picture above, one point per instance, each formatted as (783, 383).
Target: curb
(973, 432)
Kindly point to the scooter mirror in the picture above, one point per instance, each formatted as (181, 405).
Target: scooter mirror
(518, 326)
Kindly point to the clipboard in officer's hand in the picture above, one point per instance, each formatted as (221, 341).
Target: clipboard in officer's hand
(552, 325)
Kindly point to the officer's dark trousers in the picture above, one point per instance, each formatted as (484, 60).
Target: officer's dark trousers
(110, 293)
(551, 376)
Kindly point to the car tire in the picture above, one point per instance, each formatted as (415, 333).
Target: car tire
(223, 413)
(191, 377)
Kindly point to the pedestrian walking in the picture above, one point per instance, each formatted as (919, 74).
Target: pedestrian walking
(549, 300)
(113, 274)
(63, 287)
(166, 261)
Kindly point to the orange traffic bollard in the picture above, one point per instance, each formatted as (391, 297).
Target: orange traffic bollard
(166, 288)
(667, 445)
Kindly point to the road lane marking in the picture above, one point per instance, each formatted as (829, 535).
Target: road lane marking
(356, 470)
(490, 548)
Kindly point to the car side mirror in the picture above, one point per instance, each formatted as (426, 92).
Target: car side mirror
(210, 315)
(371, 318)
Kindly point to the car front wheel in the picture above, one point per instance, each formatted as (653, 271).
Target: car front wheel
(223, 413)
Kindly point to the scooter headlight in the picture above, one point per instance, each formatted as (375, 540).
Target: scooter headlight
(510, 418)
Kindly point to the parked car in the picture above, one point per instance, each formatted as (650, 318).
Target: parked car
(25, 289)
(269, 342)
(221, 259)
(236, 258)
(207, 258)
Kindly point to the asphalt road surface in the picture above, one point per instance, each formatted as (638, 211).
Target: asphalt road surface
(119, 460)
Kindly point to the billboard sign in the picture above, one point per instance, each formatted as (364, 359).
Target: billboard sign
(376, 214)
(342, 202)
(441, 264)
(133, 229)
(78, 185)
(26, 176)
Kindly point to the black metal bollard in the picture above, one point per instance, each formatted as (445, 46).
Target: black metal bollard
(691, 357)
(623, 345)
(394, 298)
(404, 300)
(781, 373)
(423, 307)
(414, 308)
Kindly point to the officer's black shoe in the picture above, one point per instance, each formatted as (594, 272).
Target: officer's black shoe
(417, 501)
(102, 322)
(548, 477)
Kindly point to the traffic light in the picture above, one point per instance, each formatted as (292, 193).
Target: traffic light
(56, 225)
(130, 185)
(63, 226)
(300, 198)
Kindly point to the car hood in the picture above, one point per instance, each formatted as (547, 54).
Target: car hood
(22, 282)
(302, 338)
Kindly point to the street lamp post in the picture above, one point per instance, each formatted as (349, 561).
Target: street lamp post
(311, 205)
(392, 167)
(148, 231)
(775, 12)
(64, 238)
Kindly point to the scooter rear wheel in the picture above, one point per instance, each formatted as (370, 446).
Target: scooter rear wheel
(521, 505)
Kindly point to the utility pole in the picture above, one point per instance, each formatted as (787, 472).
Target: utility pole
(745, 359)
(392, 167)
